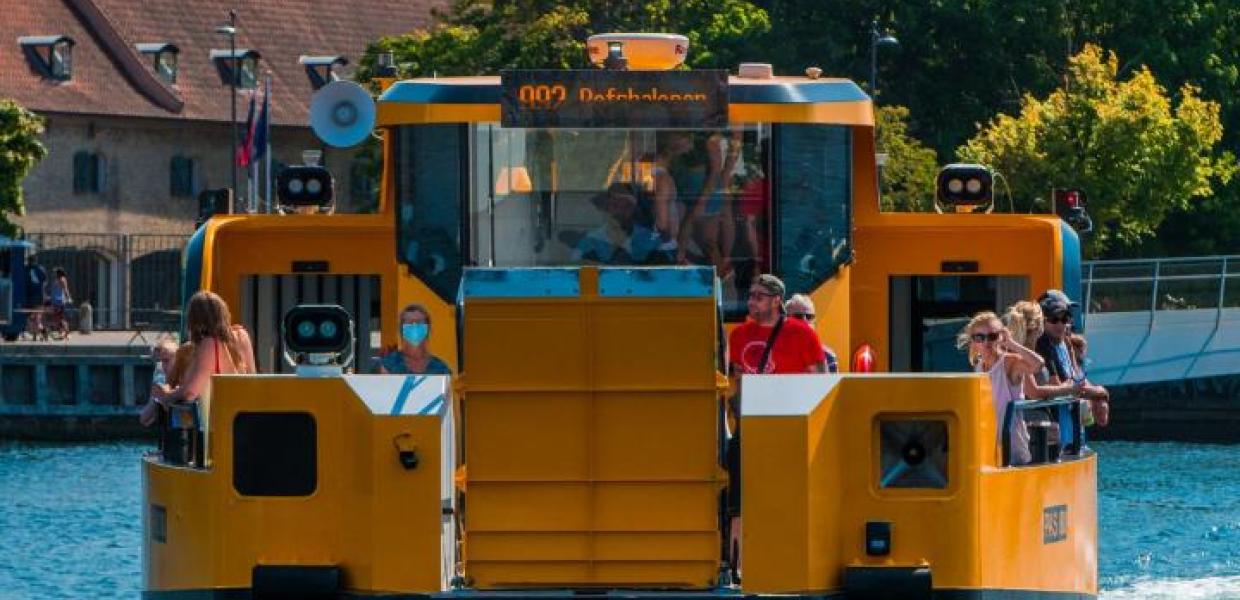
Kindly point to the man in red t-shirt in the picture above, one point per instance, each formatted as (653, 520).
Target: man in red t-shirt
(797, 348)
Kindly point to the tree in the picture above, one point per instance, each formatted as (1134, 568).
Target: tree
(1123, 142)
(20, 150)
(475, 37)
(908, 177)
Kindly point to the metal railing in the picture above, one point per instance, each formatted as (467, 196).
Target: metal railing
(1210, 282)
(1163, 284)
(130, 280)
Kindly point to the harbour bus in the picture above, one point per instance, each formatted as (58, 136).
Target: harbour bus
(578, 446)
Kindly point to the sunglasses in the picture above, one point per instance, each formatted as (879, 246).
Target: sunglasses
(1066, 319)
(802, 316)
(985, 337)
(762, 294)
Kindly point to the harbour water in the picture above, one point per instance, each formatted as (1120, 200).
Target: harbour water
(70, 521)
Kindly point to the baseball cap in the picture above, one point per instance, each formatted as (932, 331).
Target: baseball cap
(1057, 296)
(771, 283)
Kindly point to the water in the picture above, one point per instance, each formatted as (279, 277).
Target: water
(71, 527)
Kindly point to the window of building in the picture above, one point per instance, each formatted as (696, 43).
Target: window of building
(240, 67)
(183, 183)
(88, 172)
(164, 60)
(320, 68)
(51, 55)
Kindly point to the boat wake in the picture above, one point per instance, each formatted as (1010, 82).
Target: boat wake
(1206, 588)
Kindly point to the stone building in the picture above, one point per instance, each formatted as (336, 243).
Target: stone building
(136, 101)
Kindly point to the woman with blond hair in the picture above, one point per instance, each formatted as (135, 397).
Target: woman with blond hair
(1026, 322)
(1008, 364)
(219, 348)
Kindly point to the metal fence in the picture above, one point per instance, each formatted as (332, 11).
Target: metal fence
(130, 280)
(1209, 282)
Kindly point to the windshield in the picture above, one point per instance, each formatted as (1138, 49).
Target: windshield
(514, 197)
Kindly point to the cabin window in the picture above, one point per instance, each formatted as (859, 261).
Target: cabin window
(430, 187)
(814, 181)
(555, 197)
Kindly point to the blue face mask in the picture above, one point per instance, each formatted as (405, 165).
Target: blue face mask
(414, 333)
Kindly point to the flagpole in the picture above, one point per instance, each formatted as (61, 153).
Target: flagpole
(267, 103)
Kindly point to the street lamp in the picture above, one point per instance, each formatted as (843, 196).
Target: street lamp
(876, 40)
(230, 30)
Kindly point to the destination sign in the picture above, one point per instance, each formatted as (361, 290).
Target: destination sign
(604, 99)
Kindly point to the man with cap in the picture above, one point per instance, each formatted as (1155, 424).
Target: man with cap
(1054, 348)
(768, 342)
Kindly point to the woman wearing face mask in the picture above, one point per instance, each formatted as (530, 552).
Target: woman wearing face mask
(414, 357)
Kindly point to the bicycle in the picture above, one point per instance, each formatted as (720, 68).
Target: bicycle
(56, 322)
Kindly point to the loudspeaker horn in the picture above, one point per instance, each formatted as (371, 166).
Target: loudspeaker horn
(342, 114)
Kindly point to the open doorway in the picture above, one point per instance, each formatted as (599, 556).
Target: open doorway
(927, 311)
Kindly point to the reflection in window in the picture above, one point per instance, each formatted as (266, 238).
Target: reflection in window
(428, 204)
(815, 191)
(622, 197)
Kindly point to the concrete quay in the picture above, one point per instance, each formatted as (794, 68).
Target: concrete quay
(87, 387)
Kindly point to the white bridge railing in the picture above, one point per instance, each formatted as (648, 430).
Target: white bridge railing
(1162, 319)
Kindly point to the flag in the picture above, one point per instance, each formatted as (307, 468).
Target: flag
(259, 148)
(245, 153)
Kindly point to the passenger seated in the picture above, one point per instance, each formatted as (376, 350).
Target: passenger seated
(173, 362)
(413, 358)
(621, 238)
(220, 347)
(992, 351)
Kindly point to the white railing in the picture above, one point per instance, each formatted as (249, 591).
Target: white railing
(1159, 311)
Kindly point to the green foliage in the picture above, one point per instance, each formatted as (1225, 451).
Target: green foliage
(1136, 155)
(20, 150)
(908, 177)
(479, 37)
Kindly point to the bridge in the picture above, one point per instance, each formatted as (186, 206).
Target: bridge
(1164, 336)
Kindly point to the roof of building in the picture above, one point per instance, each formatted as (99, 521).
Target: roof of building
(112, 76)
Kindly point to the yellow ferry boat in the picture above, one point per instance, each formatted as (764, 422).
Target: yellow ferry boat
(578, 446)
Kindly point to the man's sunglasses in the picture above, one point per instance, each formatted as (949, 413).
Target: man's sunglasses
(802, 316)
(1063, 320)
(985, 337)
(763, 294)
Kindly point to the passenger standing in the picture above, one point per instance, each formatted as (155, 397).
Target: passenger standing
(413, 357)
(801, 307)
(992, 351)
(1026, 322)
(770, 343)
(1060, 361)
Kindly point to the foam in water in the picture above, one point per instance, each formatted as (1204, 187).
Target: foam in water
(1208, 588)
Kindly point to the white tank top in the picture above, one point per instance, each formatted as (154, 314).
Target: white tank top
(1004, 392)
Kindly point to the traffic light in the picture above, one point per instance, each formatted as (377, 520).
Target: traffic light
(305, 186)
(213, 202)
(1070, 206)
(965, 187)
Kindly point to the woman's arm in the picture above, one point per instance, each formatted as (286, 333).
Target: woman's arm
(1035, 390)
(1027, 362)
(664, 196)
(247, 349)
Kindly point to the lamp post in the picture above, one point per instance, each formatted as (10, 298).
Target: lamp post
(876, 40)
(230, 30)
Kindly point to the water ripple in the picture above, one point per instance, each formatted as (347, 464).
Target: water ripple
(71, 523)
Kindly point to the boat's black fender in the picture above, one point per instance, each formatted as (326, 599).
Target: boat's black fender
(281, 582)
(884, 583)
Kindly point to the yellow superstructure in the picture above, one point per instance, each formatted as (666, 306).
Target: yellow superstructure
(579, 443)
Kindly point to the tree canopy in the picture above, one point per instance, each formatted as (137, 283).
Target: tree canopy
(911, 167)
(20, 150)
(475, 37)
(1138, 155)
